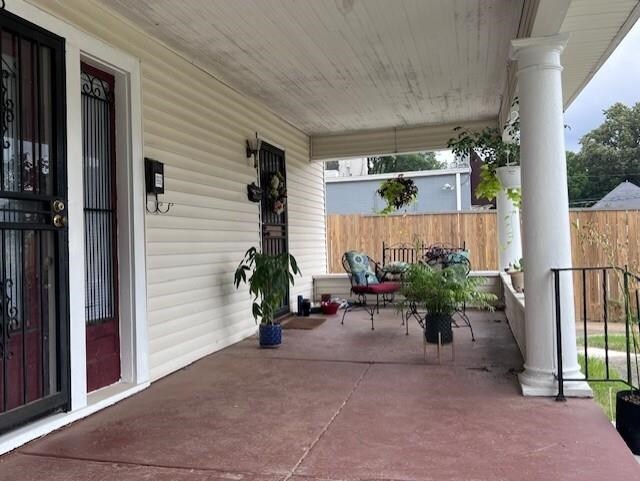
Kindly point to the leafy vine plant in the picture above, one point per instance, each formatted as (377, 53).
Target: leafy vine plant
(398, 192)
(491, 146)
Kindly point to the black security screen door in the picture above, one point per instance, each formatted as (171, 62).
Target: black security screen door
(34, 369)
(100, 227)
(274, 217)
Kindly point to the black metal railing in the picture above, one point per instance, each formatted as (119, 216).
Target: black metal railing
(596, 300)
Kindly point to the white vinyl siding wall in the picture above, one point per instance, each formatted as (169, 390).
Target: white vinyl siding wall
(198, 126)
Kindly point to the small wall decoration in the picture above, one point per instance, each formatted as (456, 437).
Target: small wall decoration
(254, 193)
(277, 193)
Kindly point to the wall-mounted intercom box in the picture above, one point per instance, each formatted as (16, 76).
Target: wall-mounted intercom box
(154, 176)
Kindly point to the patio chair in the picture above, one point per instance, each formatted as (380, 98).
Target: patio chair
(367, 279)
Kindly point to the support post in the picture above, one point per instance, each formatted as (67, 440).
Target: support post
(508, 217)
(546, 226)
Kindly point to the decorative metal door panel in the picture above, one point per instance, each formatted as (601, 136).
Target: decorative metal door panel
(100, 224)
(275, 228)
(34, 354)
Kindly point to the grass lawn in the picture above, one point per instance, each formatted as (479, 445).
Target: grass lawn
(604, 393)
(616, 342)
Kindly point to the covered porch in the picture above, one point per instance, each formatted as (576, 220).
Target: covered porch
(203, 83)
(339, 402)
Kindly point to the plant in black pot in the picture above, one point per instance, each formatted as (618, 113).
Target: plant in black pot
(269, 277)
(441, 292)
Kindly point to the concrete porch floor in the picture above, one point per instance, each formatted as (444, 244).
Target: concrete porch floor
(338, 403)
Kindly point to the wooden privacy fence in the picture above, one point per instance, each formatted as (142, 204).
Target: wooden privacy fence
(620, 229)
(366, 233)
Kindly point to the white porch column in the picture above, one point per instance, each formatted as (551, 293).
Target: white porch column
(546, 227)
(510, 243)
(508, 217)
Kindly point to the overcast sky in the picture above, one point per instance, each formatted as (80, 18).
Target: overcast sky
(617, 81)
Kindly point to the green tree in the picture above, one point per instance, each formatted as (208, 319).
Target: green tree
(576, 176)
(609, 155)
(404, 163)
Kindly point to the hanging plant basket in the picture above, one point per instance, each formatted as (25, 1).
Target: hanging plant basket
(277, 193)
(398, 192)
(509, 176)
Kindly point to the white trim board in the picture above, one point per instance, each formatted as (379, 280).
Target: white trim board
(133, 309)
(412, 174)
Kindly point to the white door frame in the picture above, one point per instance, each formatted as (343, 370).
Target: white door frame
(134, 349)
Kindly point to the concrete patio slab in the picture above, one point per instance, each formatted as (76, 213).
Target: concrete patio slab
(339, 403)
(225, 413)
(405, 423)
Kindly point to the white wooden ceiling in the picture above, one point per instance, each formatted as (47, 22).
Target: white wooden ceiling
(341, 65)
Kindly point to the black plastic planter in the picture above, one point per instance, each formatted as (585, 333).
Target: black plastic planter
(628, 419)
(270, 335)
(438, 324)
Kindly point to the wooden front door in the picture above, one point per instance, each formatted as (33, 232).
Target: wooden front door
(274, 216)
(101, 228)
(34, 322)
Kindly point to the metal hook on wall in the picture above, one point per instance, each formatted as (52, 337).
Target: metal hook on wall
(158, 206)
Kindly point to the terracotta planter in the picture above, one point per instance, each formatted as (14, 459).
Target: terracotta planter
(517, 280)
(509, 176)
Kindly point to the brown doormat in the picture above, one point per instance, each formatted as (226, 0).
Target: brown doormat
(303, 322)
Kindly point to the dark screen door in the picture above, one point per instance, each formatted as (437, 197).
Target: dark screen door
(100, 228)
(273, 214)
(34, 369)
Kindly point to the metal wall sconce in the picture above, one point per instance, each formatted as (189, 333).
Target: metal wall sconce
(253, 152)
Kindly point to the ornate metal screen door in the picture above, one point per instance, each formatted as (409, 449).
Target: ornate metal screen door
(33, 234)
(100, 224)
(274, 219)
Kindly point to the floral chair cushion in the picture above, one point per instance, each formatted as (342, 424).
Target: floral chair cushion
(360, 267)
(459, 257)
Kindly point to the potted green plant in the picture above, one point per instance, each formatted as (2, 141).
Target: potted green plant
(500, 152)
(516, 272)
(269, 277)
(441, 292)
(398, 192)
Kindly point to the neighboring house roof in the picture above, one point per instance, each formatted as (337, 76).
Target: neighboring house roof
(626, 196)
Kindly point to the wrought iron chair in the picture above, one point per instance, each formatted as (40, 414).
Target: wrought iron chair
(361, 288)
